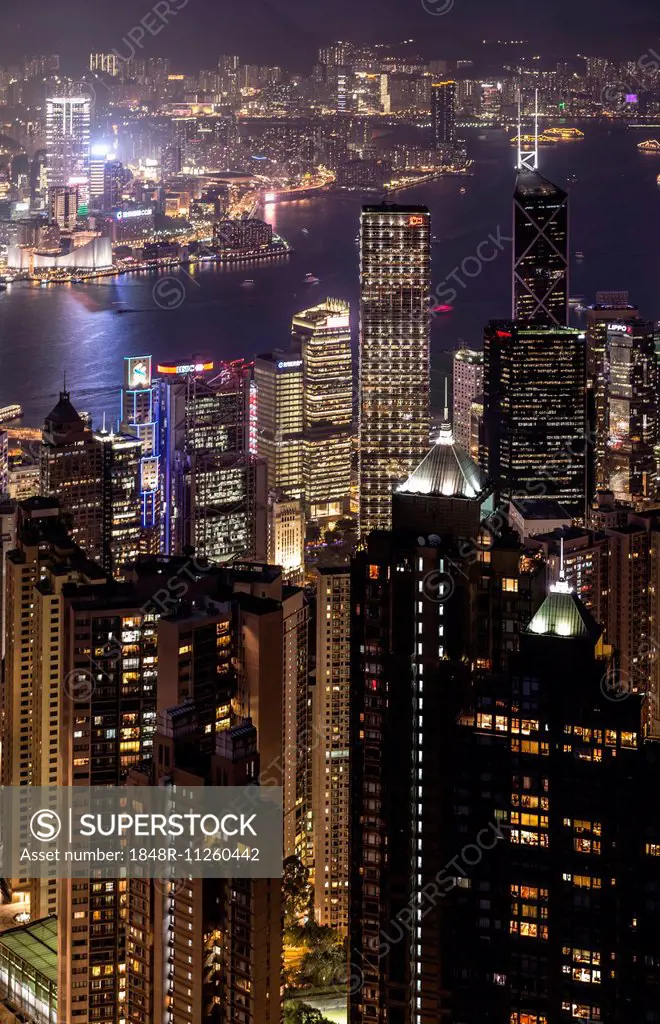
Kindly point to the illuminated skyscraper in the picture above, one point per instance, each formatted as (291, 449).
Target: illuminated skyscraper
(213, 488)
(139, 410)
(394, 379)
(63, 203)
(443, 113)
(72, 470)
(279, 380)
(68, 124)
(108, 63)
(467, 380)
(631, 380)
(322, 335)
(121, 500)
(609, 307)
(534, 442)
(540, 251)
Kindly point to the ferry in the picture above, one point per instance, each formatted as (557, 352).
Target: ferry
(658, 180)
(310, 279)
(248, 283)
(11, 412)
(649, 146)
(564, 134)
(462, 190)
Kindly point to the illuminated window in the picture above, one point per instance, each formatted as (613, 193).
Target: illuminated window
(509, 585)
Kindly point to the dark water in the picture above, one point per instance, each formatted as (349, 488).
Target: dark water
(615, 222)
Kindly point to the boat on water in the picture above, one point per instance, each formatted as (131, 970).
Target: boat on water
(248, 283)
(10, 412)
(442, 309)
(658, 180)
(579, 255)
(563, 134)
(462, 190)
(649, 146)
(310, 279)
(576, 301)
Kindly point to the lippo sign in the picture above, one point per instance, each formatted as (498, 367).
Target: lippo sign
(139, 831)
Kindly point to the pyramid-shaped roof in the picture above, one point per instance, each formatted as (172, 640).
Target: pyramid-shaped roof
(563, 614)
(446, 471)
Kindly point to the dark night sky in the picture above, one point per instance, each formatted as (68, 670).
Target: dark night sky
(289, 31)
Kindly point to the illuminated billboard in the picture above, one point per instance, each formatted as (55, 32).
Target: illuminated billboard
(138, 372)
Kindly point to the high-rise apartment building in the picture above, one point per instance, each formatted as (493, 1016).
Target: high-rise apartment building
(394, 385)
(63, 203)
(535, 443)
(540, 251)
(443, 113)
(631, 410)
(331, 747)
(468, 379)
(108, 63)
(68, 126)
(322, 335)
(432, 600)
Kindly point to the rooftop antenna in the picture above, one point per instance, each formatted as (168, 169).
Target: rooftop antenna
(561, 558)
(103, 430)
(528, 161)
(446, 398)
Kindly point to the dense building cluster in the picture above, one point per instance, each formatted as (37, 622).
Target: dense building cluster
(440, 643)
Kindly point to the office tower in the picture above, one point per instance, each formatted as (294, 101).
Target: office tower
(139, 411)
(214, 490)
(286, 536)
(534, 441)
(108, 63)
(582, 557)
(113, 184)
(97, 159)
(467, 378)
(631, 410)
(279, 379)
(610, 307)
(331, 747)
(72, 471)
(476, 426)
(551, 774)
(443, 113)
(63, 205)
(68, 123)
(395, 264)
(322, 336)
(121, 500)
(434, 598)
(540, 251)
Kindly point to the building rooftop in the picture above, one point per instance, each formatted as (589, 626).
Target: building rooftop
(36, 944)
(533, 184)
(447, 471)
(562, 614)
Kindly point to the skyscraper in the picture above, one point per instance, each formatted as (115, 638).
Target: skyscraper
(121, 500)
(139, 412)
(72, 471)
(279, 379)
(631, 381)
(443, 113)
(68, 124)
(394, 379)
(467, 385)
(214, 490)
(322, 335)
(535, 442)
(609, 307)
(331, 747)
(540, 251)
